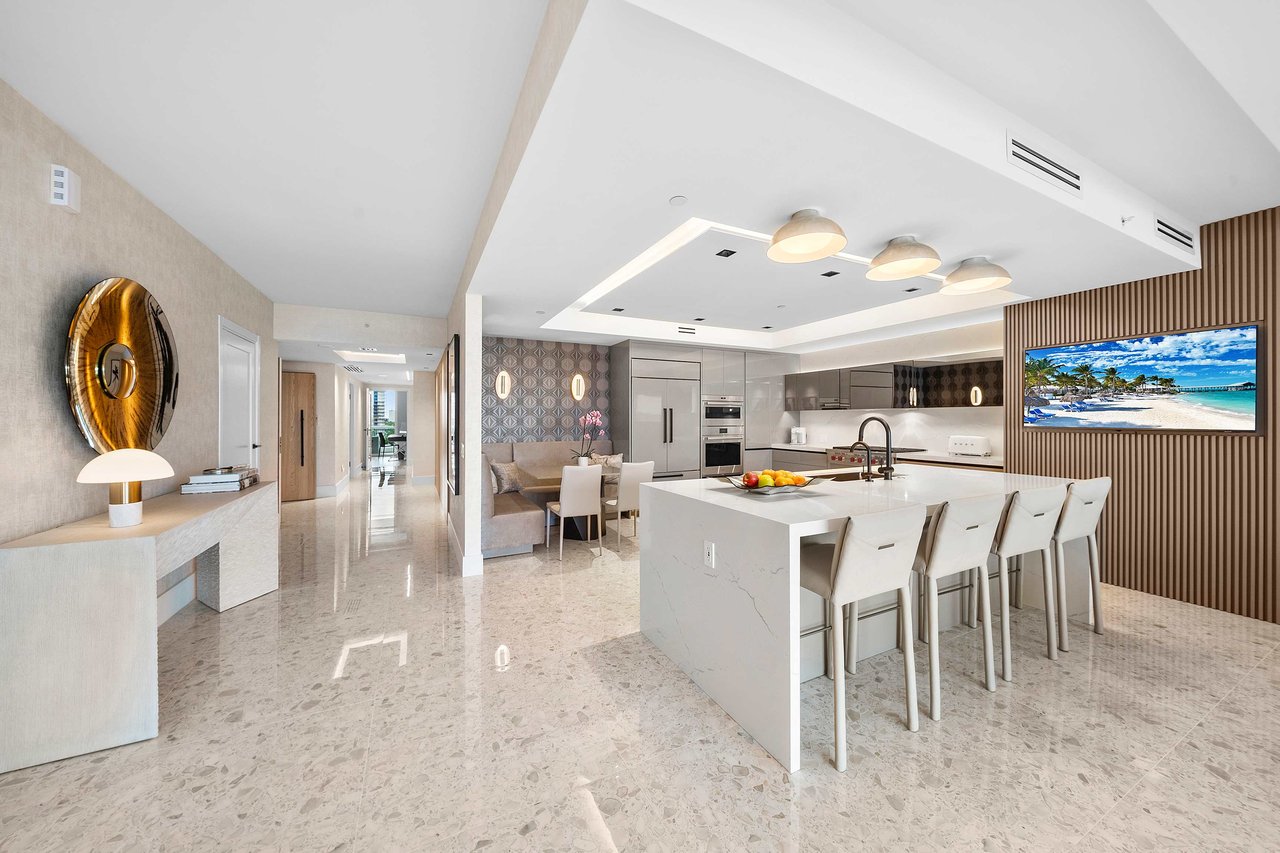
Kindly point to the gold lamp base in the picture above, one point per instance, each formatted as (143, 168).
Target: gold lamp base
(124, 504)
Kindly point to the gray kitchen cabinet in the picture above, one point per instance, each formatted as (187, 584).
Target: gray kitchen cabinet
(800, 460)
(723, 373)
(757, 460)
(767, 416)
(666, 424)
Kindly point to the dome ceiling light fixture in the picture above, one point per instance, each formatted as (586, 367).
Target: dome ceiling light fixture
(903, 257)
(806, 236)
(975, 275)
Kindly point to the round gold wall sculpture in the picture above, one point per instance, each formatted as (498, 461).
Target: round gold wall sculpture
(122, 367)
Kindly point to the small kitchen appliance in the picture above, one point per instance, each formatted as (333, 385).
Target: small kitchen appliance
(799, 435)
(968, 445)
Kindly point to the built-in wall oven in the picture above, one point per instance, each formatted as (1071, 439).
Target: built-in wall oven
(722, 450)
(722, 411)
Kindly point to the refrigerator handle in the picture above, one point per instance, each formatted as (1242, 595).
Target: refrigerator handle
(671, 426)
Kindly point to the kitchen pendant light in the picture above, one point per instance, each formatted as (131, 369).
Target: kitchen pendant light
(806, 236)
(974, 275)
(903, 257)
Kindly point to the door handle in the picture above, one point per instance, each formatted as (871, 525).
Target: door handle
(302, 439)
(255, 446)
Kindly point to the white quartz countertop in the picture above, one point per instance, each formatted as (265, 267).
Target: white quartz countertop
(824, 501)
(928, 456)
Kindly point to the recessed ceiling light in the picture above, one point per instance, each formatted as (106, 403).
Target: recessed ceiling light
(726, 253)
(699, 319)
(676, 200)
(903, 257)
(619, 310)
(366, 357)
(539, 312)
(368, 349)
(911, 290)
(806, 236)
(782, 306)
(830, 273)
(975, 275)
(766, 327)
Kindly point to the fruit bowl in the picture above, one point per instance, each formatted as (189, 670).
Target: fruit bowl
(737, 483)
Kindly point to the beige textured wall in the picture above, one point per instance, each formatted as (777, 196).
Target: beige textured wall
(422, 425)
(48, 259)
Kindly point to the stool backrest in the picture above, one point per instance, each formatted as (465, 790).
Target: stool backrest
(961, 534)
(874, 553)
(633, 474)
(1083, 509)
(580, 490)
(1030, 519)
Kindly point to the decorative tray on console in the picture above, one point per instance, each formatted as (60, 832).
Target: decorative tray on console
(736, 482)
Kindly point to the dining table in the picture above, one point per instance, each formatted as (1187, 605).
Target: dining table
(542, 484)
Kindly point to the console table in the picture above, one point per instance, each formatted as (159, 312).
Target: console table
(78, 615)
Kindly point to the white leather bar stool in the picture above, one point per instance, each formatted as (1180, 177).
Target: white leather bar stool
(579, 497)
(1080, 516)
(1029, 521)
(958, 540)
(871, 556)
(628, 498)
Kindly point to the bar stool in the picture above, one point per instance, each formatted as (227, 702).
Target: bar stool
(579, 496)
(628, 498)
(1029, 521)
(1080, 516)
(958, 540)
(872, 555)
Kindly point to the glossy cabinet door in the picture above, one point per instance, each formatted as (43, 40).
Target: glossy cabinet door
(684, 447)
(649, 422)
(733, 373)
(712, 372)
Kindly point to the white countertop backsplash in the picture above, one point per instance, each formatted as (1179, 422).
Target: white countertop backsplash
(928, 428)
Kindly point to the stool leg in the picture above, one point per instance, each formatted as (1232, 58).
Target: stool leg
(1060, 571)
(1050, 607)
(547, 539)
(909, 658)
(1095, 580)
(837, 628)
(935, 665)
(1006, 650)
(851, 637)
(828, 653)
(972, 598)
(984, 601)
(1017, 582)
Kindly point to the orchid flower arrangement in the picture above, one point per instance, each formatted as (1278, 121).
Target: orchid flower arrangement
(592, 420)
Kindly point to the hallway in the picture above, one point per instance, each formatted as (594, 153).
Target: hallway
(380, 702)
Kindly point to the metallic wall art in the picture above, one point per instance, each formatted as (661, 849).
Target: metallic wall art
(121, 367)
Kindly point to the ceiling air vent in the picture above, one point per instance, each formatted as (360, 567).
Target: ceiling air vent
(686, 330)
(352, 368)
(1180, 237)
(1043, 166)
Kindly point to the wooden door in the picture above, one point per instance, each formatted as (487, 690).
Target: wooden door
(297, 436)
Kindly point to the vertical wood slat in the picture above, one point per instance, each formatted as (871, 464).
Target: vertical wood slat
(1191, 516)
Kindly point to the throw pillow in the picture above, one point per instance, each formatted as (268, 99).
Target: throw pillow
(612, 466)
(506, 477)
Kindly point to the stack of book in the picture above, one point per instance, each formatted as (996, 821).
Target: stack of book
(220, 480)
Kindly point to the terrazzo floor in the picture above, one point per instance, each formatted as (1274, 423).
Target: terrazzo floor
(378, 701)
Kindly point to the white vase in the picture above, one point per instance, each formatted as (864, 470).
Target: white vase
(584, 461)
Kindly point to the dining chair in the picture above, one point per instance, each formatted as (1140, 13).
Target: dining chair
(958, 539)
(1027, 526)
(872, 555)
(579, 498)
(628, 497)
(1080, 516)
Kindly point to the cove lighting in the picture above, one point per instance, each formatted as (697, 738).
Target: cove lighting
(367, 357)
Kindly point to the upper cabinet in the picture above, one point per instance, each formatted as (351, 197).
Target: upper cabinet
(724, 373)
(898, 386)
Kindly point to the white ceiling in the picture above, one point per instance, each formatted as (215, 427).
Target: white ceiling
(1114, 82)
(333, 153)
(372, 372)
(644, 109)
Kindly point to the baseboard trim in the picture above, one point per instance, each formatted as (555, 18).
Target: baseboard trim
(175, 598)
(334, 490)
(508, 552)
(424, 480)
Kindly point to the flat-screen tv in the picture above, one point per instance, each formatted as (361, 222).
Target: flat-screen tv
(1197, 381)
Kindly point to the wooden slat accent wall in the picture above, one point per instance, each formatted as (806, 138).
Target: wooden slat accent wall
(1191, 517)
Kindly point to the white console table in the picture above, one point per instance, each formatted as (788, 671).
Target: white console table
(78, 668)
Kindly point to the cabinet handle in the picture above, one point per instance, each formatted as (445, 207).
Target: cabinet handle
(302, 439)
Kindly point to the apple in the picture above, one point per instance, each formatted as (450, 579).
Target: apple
(751, 479)
(765, 481)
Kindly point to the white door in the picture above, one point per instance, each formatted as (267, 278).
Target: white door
(237, 395)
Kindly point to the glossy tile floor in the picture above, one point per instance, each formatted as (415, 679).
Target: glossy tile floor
(380, 702)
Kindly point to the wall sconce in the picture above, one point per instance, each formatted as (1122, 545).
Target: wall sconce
(578, 387)
(975, 395)
(502, 385)
(911, 397)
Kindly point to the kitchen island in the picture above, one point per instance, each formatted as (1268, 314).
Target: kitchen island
(720, 582)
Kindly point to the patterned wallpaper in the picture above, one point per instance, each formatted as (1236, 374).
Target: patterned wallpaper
(540, 407)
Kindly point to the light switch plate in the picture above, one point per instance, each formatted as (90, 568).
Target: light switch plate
(709, 554)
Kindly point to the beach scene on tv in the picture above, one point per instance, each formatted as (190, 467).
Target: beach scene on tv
(1187, 381)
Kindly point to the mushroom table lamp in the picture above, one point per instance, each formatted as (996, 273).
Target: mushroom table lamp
(125, 470)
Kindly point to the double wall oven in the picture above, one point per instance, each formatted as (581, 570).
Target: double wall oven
(723, 436)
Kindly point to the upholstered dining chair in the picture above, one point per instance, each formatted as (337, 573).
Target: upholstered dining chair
(579, 497)
(628, 498)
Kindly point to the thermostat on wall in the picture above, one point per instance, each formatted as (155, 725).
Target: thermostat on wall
(64, 188)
